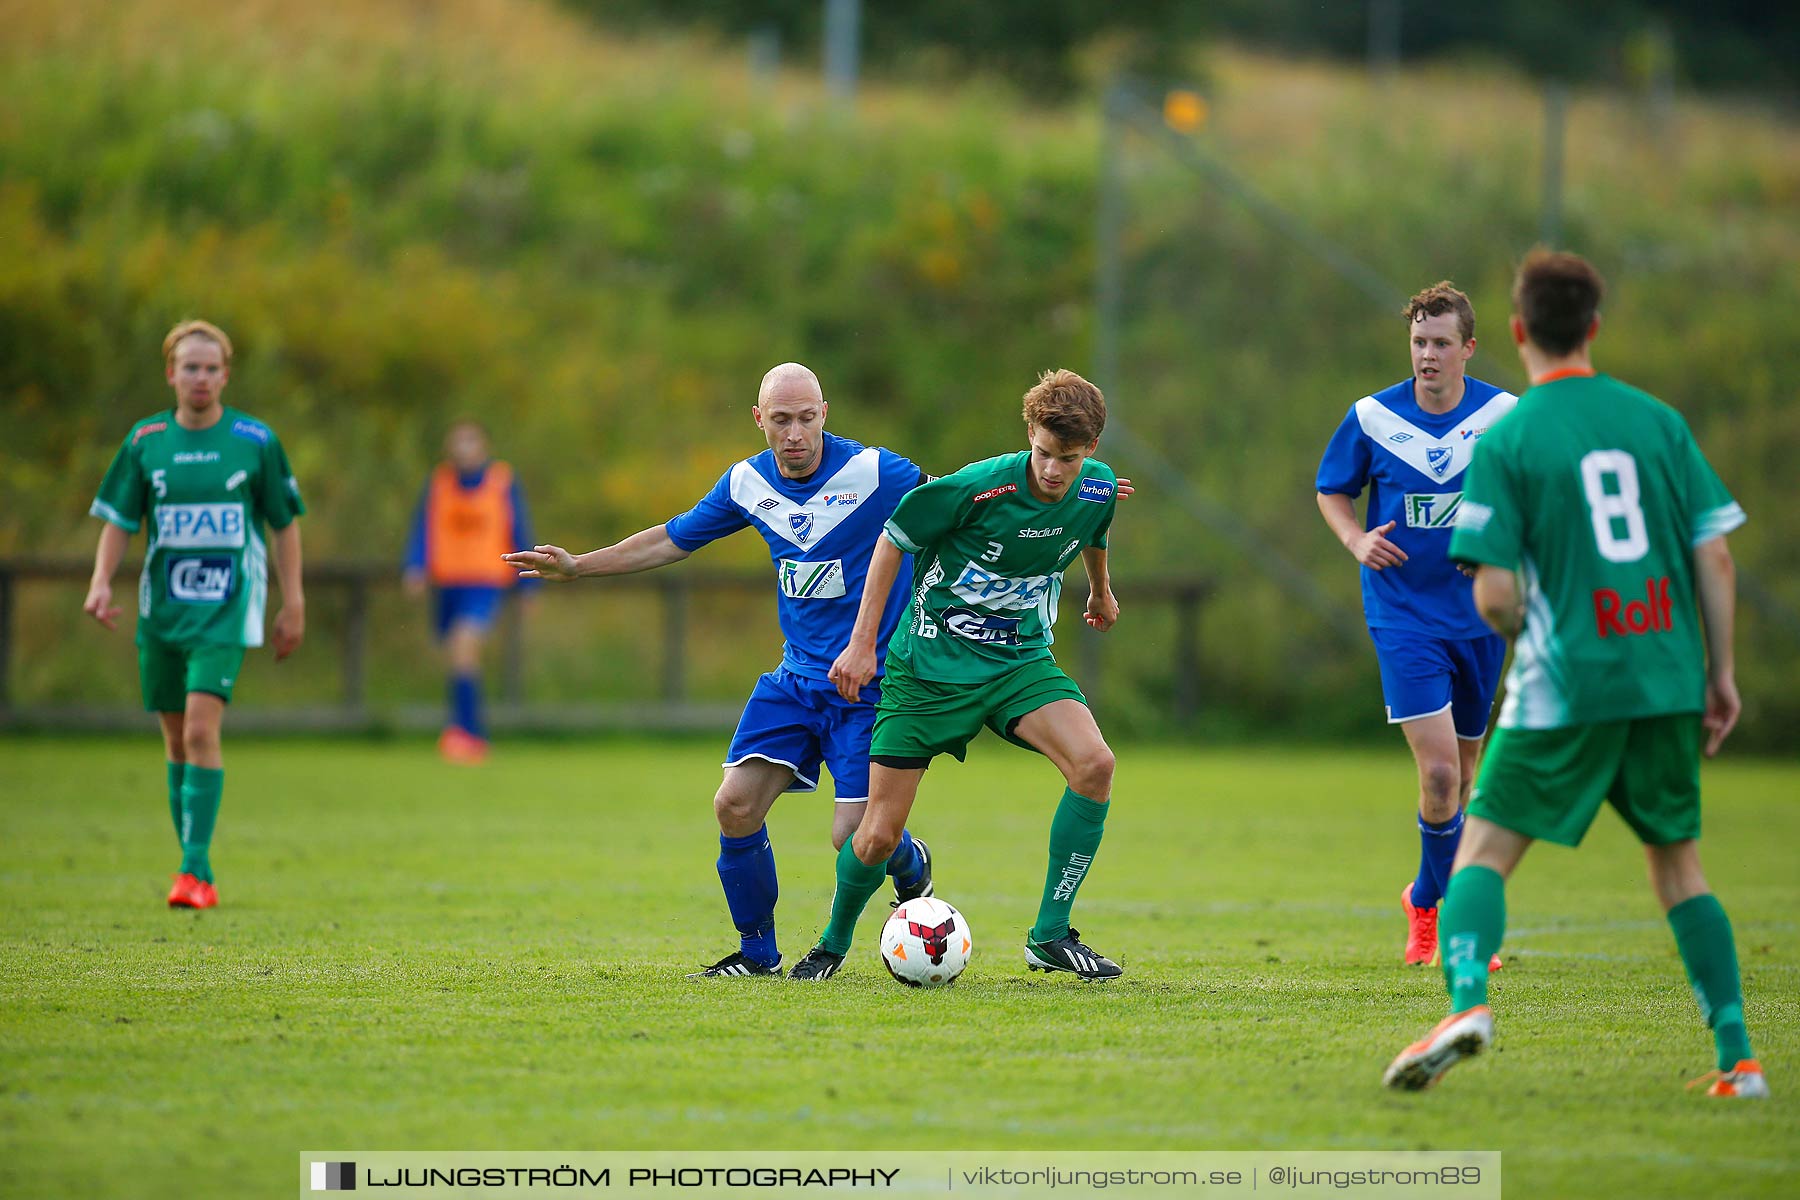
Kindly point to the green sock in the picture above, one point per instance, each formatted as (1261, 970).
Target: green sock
(1074, 838)
(201, 790)
(1470, 925)
(1703, 935)
(177, 772)
(856, 882)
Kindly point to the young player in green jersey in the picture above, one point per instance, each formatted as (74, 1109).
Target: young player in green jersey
(1596, 495)
(989, 545)
(209, 478)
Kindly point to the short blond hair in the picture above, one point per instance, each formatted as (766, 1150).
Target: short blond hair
(1068, 406)
(195, 328)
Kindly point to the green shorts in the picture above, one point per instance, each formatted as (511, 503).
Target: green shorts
(922, 718)
(168, 673)
(1549, 783)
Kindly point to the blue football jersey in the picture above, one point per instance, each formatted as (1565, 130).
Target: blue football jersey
(821, 531)
(1412, 462)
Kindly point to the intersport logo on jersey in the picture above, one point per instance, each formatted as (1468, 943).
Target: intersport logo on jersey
(978, 586)
(200, 526)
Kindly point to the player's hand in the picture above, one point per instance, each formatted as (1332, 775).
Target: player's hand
(1125, 488)
(414, 583)
(853, 668)
(290, 630)
(1102, 610)
(1466, 569)
(99, 605)
(545, 562)
(1374, 551)
(1722, 709)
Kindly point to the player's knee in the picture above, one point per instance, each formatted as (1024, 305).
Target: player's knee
(736, 813)
(1092, 773)
(1441, 781)
(873, 846)
(199, 740)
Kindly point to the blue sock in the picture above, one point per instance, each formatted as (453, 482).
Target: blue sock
(465, 704)
(1437, 850)
(904, 864)
(747, 872)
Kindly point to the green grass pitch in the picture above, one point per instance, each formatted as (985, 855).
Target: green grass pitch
(411, 956)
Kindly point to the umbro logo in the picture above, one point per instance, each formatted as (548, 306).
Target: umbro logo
(1400, 437)
(771, 502)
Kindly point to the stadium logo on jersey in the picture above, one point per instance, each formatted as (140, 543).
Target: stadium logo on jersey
(841, 498)
(1040, 533)
(982, 627)
(152, 427)
(802, 525)
(256, 431)
(1397, 438)
(1099, 491)
(1653, 614)
(978, 586)
(811, 580)
(1432, 510)
(189, 457)
(1438, 457)
(766, 505)
(200, 580)
(200, 526)
(1002, 490)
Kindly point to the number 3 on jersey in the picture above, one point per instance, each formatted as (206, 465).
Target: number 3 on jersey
(1607, 506)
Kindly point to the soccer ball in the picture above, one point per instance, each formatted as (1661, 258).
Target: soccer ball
(925, 943)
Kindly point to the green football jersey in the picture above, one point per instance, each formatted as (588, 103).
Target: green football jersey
(1597, 495)
(988, 561)
(208, 494)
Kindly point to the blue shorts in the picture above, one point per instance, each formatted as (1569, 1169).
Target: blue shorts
(1422, 676)
(801, 722)
(477, 606)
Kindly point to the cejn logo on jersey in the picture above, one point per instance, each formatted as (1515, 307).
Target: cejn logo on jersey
(200, 526)
(1653, 614)
(1432, 510)
(985, 628)
(811, 580)
(978, 586)
(204, 580)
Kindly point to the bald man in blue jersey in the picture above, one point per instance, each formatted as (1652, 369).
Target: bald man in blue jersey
(819, 501)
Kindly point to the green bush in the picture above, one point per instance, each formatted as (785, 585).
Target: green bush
(599, 246)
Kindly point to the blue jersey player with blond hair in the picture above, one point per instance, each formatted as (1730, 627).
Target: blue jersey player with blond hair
(819, 501)
(1409, 446)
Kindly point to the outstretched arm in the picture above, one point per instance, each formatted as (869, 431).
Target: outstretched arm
(642, 551)
(1497, 599)
(1102, 609)
(1370, 546)
(107, 554)
(1715, 576)
(290, 622)
(856, 665)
